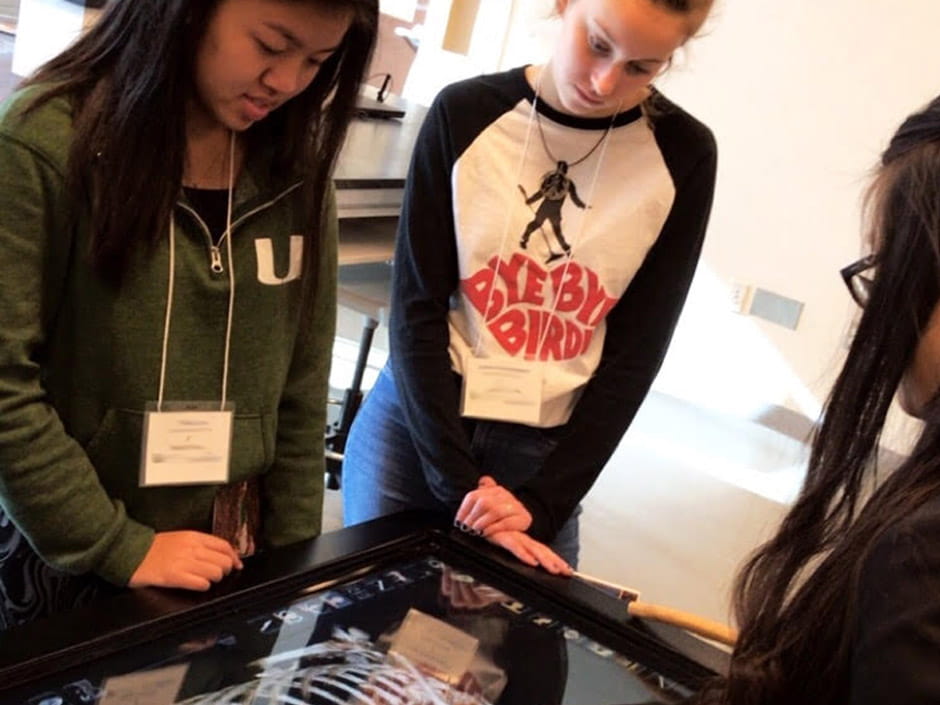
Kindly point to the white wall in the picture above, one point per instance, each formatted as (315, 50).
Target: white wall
(46, 27)
(802, 96)
(434, 68)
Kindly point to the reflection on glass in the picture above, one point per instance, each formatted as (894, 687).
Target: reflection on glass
(361, 642)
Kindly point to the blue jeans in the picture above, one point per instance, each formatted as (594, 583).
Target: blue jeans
(382, 472)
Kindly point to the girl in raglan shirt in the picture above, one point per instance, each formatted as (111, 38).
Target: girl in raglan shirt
(553, 219)
(167, 294)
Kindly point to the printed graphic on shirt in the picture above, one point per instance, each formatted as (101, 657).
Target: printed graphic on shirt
(553, 220)
(554, 188)
(533, 310)
(537, 312)
(264, 252)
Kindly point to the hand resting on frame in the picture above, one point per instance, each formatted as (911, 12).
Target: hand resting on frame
(191, 560)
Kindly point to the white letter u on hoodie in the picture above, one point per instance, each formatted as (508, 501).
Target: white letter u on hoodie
(264, 251)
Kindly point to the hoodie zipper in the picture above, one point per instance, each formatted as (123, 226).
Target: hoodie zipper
(215, 259)
(215, 248)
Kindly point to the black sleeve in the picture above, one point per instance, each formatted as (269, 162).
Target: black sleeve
(639, 329)
(896, 651)
(425, 276)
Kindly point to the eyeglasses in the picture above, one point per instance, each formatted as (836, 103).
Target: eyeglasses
(857, 281)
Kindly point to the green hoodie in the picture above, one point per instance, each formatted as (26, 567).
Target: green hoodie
(79, 360)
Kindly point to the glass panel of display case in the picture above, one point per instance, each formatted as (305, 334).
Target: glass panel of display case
(418, 630)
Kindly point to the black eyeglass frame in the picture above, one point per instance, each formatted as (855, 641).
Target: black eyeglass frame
(853, 272)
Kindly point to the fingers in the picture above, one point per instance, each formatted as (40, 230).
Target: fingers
(217, 549)
(548, 559)
(191, 560)
(504, 518)
(491, 504)
(219, 545)
(531, 552)
(486, 520)
(187, 581)
(511, 542)
(488, 494)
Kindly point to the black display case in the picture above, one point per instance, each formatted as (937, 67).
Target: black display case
(398, 610)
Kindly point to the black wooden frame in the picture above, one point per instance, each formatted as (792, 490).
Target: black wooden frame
(38, 651)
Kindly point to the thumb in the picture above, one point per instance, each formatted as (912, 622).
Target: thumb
(486, 481)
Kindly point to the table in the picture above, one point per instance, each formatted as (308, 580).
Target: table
(399, 607)
(370, 182)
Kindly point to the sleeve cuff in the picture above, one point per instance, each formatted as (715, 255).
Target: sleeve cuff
(126, 553)
(541, 528)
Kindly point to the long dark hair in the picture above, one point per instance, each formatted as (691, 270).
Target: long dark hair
(796, 619)
(128, 79)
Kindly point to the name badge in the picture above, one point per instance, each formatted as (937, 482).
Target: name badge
(502, 389)
(187, 443)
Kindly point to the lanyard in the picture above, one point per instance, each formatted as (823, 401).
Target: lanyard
(231, 296)
(509, 210)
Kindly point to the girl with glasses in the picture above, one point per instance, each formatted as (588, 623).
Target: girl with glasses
(843, 604)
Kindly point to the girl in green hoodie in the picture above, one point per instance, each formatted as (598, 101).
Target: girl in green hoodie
(168, 276)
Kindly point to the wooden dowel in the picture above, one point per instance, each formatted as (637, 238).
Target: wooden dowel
(707, 628)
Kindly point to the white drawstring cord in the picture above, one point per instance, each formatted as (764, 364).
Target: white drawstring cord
(171, 280)
(169, 308)
(581, 224)
(506, 224)
(231, 268)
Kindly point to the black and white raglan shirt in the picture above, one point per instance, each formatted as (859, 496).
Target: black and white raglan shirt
(583, 271)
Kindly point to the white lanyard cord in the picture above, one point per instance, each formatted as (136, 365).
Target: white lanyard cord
(509, 210)
(574, 243)
(507, 222)
(169, 308)
(171, 280)
(231, 268)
